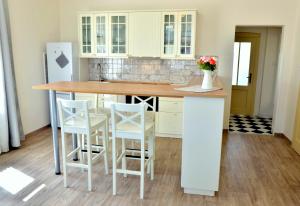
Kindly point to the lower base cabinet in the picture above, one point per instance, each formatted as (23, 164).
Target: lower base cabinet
(169, 118)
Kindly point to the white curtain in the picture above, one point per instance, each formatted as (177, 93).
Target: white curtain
(4, 143)
(11, 130)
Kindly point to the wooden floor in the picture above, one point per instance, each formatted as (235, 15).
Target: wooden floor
(256, 170)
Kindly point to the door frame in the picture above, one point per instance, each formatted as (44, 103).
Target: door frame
(254, 59)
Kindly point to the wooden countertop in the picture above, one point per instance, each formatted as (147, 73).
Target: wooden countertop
(130, 88)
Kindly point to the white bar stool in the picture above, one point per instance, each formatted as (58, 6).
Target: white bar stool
(132, 126)
(75, 119)
(150, 103)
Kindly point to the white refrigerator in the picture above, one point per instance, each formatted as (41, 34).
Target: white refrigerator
(61, 65)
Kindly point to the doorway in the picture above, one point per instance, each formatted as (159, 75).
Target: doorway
(255, 64)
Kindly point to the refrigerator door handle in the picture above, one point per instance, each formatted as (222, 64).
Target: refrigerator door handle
(45, 67)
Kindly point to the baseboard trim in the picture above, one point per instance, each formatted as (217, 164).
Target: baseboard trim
(281, 135)
(33, 133)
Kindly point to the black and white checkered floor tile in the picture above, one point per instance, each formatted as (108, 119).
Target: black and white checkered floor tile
(250, 125)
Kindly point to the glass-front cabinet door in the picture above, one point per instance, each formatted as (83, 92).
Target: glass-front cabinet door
(118, 35)
(169, 35)
(86, 35)
(101, 34)
(186, 40)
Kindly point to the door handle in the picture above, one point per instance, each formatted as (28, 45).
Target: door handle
(249, 78)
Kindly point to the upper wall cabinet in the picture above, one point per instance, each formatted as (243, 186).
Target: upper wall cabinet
(138, 33)
(169, 35)
(118, 41)
(85, 35)
(178, 35)
(103, 35)
(144, 34)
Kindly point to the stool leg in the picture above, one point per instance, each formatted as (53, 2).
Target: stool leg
(149, 155)
(105, 141)
(83, 147)
(124, 157)
(152, 157)
(114, 166)
(154, 142)
(89, 157)
(64, 157)
(142, 169)
(80, 152)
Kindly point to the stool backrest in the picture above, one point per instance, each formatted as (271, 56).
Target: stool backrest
(76, 112)
(131, 115)
(149, 101)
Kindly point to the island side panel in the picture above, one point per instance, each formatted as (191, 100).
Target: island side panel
(201, 144)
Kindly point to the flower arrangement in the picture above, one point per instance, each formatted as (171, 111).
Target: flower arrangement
(207, 63)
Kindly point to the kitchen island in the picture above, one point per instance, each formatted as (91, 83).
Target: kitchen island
(202, 125)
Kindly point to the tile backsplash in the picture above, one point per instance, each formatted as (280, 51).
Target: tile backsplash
(143, 69)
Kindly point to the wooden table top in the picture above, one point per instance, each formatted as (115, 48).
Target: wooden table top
(130, 88)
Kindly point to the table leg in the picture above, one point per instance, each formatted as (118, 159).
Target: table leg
(74, 136)
(53, 114)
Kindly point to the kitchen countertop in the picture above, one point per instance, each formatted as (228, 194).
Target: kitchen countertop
(132, 88)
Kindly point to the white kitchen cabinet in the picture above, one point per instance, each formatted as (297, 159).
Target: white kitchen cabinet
(118, 34)
(169, 117)
(103, 35)
(144, 34)
(100, 35)
(92, 98)
(164, 34)
(85, 35)
(102, 100)
(169, 35)
(178, 35)
(186, 34)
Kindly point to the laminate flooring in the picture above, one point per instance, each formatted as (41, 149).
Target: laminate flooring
(257, 171)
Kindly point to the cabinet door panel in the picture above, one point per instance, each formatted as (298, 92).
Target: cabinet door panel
(170, 106)
(86, 42)
(169, 35)
(118, 35)
(170, 123)
(144, 34)
(101, 35)
(186, 40)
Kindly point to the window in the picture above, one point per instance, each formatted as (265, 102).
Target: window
(241, 63)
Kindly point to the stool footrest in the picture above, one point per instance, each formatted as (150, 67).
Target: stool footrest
(129, 172)
(135, 157)
(95, 152)
(134, 150)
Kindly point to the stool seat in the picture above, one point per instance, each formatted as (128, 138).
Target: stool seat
(77, 124)
(131, 128)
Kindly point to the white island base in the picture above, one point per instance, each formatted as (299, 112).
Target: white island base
(201, 144)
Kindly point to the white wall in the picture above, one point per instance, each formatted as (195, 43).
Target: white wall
(270, 38)
(216, 24)
(33, 23)
(293, 83)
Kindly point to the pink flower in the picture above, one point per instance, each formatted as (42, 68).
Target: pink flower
(212, 61)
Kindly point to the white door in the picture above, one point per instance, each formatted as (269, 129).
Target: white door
(59, 62)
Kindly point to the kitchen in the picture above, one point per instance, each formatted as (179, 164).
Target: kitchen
(113, 55)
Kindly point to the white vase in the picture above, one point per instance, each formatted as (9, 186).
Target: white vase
(207, 82)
